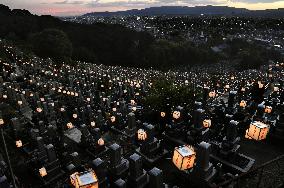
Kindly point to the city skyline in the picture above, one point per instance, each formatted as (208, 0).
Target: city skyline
(79, 7)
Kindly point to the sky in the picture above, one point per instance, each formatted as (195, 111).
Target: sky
(78, 7)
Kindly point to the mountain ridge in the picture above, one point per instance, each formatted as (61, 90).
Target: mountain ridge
(208, 10)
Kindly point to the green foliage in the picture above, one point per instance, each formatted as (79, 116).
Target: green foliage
(165, 92)
(52, 43)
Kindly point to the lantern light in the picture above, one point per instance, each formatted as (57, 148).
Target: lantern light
(257, 131)
(20, 103)
(141, 134)
(243, 104)
(74, 116)
(19, 143)
(163, 114)
(112, 119)
(132, 102)
(212, 94)
(101, 142)
(42, 172)
(184, 157)
(93, 124)
(114, 109)
(5, 96)
(207, 123)
(39, 110)
(84, 179)
(268, 109)
(42, 99)
(176, 114)
(70, 125)
(88, 99)
(134, 108)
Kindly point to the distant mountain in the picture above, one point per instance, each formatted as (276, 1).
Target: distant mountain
(193, 11)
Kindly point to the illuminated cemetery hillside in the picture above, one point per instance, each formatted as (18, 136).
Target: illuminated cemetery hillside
(67, 123)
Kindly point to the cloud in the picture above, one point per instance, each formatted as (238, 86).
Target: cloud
(69, 2)
(256, 1)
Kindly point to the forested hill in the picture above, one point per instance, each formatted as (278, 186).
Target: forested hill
(107, 44)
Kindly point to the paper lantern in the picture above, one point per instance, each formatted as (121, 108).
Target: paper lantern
(212, 94)
(42, 99)
(112, 119)
(257, 131)
(184, 157)
(62, 109)
(42, 172)
(134, 108)
(163, 114)
(93, 124)
(70, 125)
(207, 123)
(243, 104)
(88, 99)
(87, 179)
(176, 114)
(268, 109)
(132, 102)
(39, 110)
(19, 143)
(20, 103)
(101, 142)
(243, 89)
(141, 134)
(5, 96)
(114, 109)
(1, 121)
(74, 116)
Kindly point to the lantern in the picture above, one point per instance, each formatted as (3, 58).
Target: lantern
(112, 119)
(212, 94)
(101, 142)
(39, 110)
(88, 99)
(257, 131)
(184, 157)
(93, 124)
(19, 143)
(243, 104)
(62, 109)
(1, 121)
(74, 116)
(42, 99)
(132, 102)
(276, 88)
(20, 103)
(176, 114)
(87, 179)
(134, 108)
(268, 109)
(243, 89)
(114, 109)
(42, 172)
(70, 125)
(163, 114)
(141, 134)
(5, 96)
(207, 123)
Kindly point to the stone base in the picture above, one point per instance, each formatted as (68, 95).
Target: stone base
(139, 182)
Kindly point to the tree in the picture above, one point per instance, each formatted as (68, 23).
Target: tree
(52, 43)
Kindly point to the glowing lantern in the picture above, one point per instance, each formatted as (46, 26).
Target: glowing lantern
(93, 124)
(42, 99)
(101, 142)
(176, 114)
(243, 104)
(268, 109)
(260, 85)
(88, 99)
(20, 103)
(31, 95)
(87, 179)
(68, 92)
(114, 109)
(132, 102)
(72, 93)
(74, 116)
(39, 110)
(163, 114)
(207, 123)
(76, 94)
(141, 134)
(184, 157)
(276, 88)
(243, 89)
(1, 121)
(5, 96)
(70, 125)
(64, 92)
(19, 143)
(42, 172)
(257, 131)
(212, 94)
(134, 108)
(62, 109)
(112, 119)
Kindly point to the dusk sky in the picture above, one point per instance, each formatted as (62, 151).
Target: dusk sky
(77, 7)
